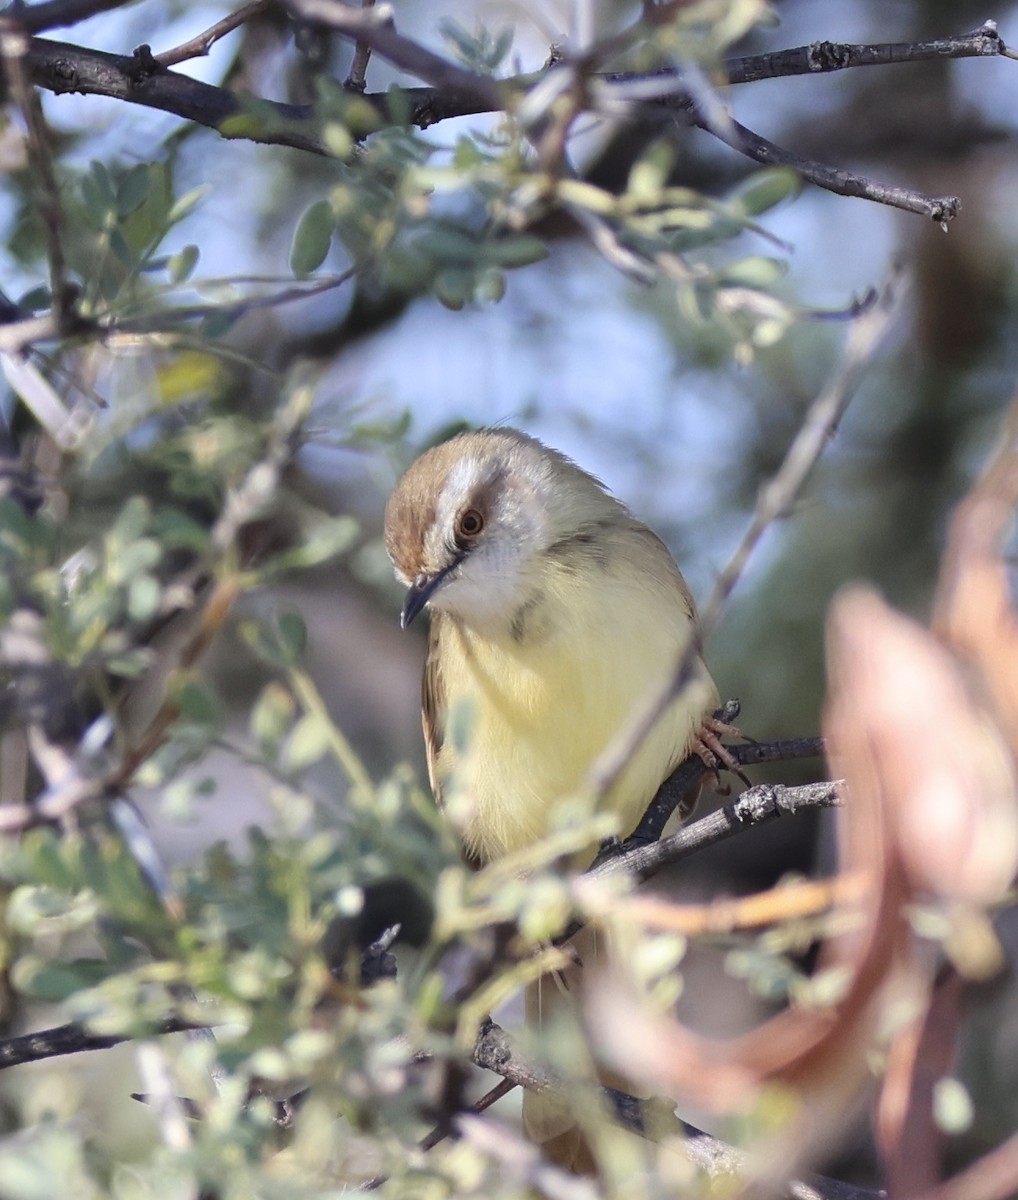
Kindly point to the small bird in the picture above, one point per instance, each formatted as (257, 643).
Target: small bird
(555, 615)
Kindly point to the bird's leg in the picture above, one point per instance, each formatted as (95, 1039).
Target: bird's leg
(707, 744)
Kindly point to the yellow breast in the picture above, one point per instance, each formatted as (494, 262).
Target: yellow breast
(540, 703)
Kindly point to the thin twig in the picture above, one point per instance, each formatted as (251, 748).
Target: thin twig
(14, 49)
(374, 28)
(441, 1132)
(787, 902)
(865, 336)
(832, 179)
(495, 1051)
(687, 96)
(361, 56)
(199, 46)
(196, 312)
(17, 336)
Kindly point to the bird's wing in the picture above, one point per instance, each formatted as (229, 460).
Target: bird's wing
(433, 706)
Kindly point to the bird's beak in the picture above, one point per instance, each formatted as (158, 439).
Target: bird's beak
(420, 592)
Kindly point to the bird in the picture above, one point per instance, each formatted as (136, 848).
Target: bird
(554, 616)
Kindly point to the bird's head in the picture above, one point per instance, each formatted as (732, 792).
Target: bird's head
(469, 524)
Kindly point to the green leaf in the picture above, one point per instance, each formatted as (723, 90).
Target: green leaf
(271, 717)
(99, 179)
(198, 703)
(55, 981)
(119, 246)
(136, 557)
(132, 521)
(312, 238)
(143, 596)
(183, 263)
(449, 246)
(43, 910)
(186, 203)
(215, 325)
(518, 251)
(293, 635)
(133, 190)
(36, 299)
(453, 288)
(755, 271)
(490, 286)
(308, 742)
(337, 138)
(763, 190)
(650, 173)
(176, 530)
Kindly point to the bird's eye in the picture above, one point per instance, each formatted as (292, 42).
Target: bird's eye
(470, 523)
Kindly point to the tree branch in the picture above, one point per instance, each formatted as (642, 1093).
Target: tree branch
(374, 28)
(688, 774)
(142, 79)
(72, 1039)
(13, 51)
(757, 805)
(832, 179)
(60, 67)
(821, 58)
(494, 1051)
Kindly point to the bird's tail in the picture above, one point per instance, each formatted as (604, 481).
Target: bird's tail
(549, 1120)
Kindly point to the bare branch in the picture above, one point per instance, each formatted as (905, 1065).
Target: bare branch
(199, 46)
(756, 806)
(373, 27)
(688, 774)
(139, 79)
(173, 317)
(70, 1039)
(13, 50)
(361, 57)
(832, 179)
(495, 1051)
(19, 335)
(821, 58)
(143, 79)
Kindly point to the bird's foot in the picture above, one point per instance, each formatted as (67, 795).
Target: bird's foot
(708, 746)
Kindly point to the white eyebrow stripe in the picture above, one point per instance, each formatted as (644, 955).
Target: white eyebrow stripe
(461, 480)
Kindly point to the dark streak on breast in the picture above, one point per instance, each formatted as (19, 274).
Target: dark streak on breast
(521, 624)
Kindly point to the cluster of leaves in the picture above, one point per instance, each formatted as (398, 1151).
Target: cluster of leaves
(421, 218)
